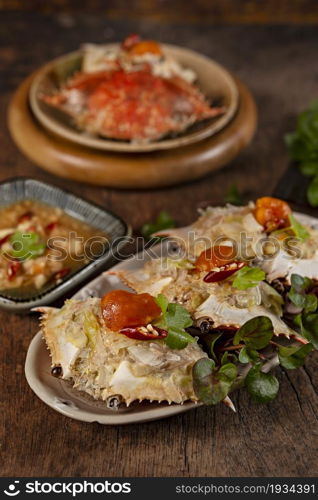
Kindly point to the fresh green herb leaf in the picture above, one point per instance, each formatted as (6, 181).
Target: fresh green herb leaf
(298, 299)
(300, 283)
(211, 385)
(298, 229)
(224, 358)
(163, 221)
(255, 333)
(233, 196)
(309, 328)
(174, 319)
(162, 302)
(262, 387)
(26, 245)
(293, 357)
(297, 294)
(248, 277)
(311, 303)
(247, 355)
(309, 168)
(312, 192)
(209, 340)
(178, 338)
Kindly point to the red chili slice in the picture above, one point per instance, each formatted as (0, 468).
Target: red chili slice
(5, 239)
(139, 333)
(50, 227)
(26, 216)
(59, 275)
(130, 41)
(223, 273)
(13, 269)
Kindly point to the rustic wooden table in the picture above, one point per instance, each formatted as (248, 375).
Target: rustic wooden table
(280, 66)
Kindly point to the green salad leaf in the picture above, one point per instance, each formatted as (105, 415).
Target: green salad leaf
(255, 333)
(263, 387)
(298, 229)
(248, 355)
(174, 319)
(163, 221)
(26, 245)
(209, 340)
(309, 328)
(248, 277)
(292, 357)
(211, 385)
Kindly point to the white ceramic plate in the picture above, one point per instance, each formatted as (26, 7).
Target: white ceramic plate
(61, 397)
(213, 79)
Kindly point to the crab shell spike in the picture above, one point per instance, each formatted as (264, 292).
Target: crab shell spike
(43, 309)
(103, 363)
(229, 403)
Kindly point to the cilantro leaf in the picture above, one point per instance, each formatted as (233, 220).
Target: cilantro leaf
(162, 302)
(163, 221)
(233, 196)
(262, 387)
(26, 245)
(178, 338)
(248, 277)
(298, 229)
(293, 356)
(255, 333)
(174, 319)
(212, 385)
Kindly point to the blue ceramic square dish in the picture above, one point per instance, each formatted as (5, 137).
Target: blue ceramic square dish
(19, 189)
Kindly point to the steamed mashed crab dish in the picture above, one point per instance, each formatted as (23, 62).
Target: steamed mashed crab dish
(100, 347)
(41, 245)
(132, 93)
(193, 321)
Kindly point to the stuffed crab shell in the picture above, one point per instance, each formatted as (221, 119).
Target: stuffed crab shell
(128, 364)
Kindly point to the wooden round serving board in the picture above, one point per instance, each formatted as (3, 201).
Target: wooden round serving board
(134, 170)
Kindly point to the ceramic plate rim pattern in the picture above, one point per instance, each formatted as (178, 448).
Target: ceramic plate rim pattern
(62, 130)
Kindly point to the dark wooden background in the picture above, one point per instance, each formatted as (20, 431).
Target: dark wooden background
(279, 64)
(181, 11)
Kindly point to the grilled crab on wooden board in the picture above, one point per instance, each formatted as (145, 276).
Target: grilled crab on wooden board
(134, 93)
(107, 364)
